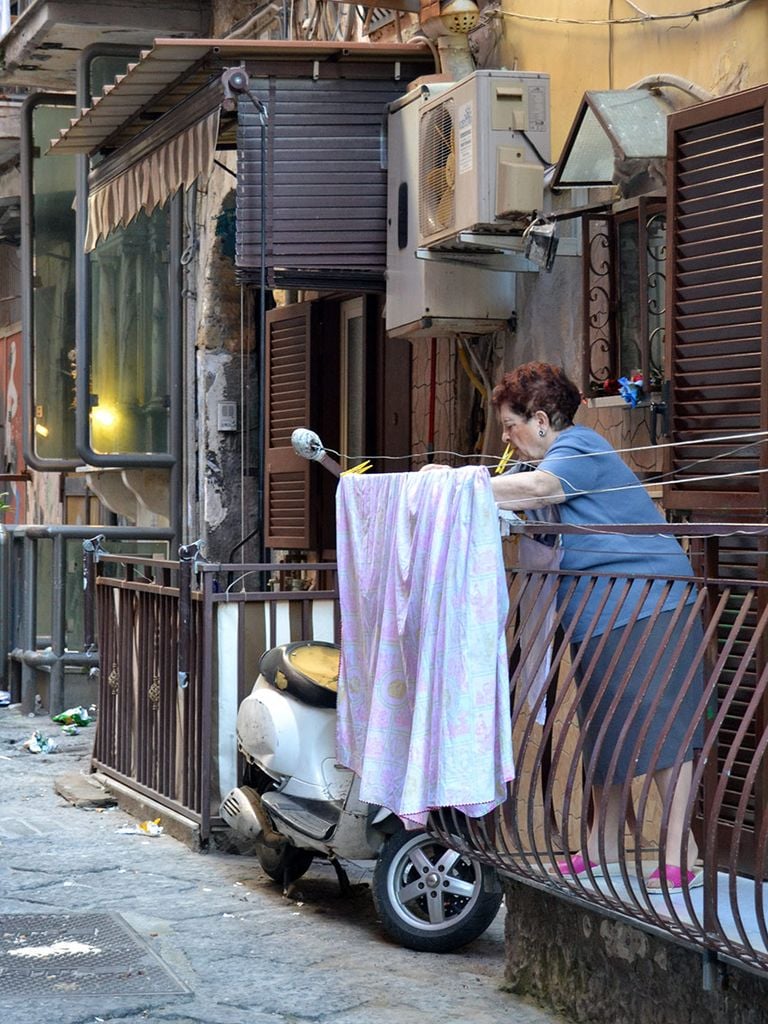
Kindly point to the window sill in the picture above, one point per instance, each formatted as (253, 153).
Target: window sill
(612, 401)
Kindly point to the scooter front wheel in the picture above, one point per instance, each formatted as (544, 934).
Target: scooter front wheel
(431, 898)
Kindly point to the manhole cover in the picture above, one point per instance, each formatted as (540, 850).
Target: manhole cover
(82, 954)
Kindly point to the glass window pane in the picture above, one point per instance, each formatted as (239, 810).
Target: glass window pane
(590, 160)
(104, 69)
(656, 240)
(129, 338)
(637, 119)
(53, 287)
(630, 357)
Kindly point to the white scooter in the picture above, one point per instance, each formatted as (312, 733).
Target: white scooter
(299, 803)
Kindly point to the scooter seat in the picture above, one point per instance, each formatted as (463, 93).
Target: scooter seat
(307, 669)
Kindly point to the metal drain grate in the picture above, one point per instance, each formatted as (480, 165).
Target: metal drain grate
(81, 954)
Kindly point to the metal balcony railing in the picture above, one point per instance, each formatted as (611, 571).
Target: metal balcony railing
(681, 697)
(680, 700)
(43, 631)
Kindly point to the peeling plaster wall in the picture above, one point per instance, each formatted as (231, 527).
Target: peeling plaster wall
(722, 52)
(223, 487)
(217, 374)
(44, 498)
(549, 318)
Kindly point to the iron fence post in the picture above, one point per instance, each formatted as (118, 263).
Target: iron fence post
(710, 775)
(91, 550)
(28, 630)
(187, 555)
(58, 625)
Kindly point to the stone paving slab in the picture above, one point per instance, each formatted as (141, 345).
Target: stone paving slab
(83, 790)
(245, 953)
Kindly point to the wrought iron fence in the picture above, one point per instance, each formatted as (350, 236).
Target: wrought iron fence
(179, 643)
(629, 736)
(676, 696)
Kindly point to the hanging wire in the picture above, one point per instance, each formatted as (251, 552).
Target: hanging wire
(641, 18)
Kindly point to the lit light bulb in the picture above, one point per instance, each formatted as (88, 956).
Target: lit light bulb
(104, 416)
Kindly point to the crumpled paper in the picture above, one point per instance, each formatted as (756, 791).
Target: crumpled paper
(142, 828)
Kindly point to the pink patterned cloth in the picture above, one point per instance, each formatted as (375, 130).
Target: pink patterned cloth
(423, 710)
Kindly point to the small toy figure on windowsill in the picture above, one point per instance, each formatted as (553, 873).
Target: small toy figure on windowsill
(631, 388)
(634, 391)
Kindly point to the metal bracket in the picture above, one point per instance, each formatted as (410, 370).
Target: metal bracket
(493, 252)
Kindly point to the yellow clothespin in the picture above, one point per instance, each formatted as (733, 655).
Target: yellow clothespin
(361, 467)
(509, 451)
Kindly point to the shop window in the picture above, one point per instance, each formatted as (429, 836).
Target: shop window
(48, 266)
(624, 282)
(129, 384)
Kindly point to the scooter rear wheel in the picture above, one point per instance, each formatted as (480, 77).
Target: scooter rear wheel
(284, 864)
(431, 898)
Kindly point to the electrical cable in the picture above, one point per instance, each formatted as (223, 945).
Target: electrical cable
(641, 19)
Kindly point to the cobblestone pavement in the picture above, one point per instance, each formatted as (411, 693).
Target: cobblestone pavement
(238, 951)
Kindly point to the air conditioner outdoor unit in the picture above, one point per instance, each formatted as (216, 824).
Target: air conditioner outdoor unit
(452, 286)
(483, 146)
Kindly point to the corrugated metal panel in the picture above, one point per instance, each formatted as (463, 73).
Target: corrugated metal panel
(327, 189)
(716, 322)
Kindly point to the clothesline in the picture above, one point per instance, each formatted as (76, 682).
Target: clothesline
(665, 480)
(761, 434)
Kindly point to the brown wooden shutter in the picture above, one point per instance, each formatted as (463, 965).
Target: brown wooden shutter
(302, 372)
(286, 476)
(716, 323)
(716, 359)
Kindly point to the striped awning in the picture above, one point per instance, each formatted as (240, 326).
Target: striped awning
(145, 184)
(159, 124)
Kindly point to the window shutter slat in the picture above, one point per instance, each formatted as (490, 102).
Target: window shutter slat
(716, 322)
(716, 331)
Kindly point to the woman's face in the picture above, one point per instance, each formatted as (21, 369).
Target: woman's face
(523, 434)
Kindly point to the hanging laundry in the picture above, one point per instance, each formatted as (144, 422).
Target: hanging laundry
(423, 709)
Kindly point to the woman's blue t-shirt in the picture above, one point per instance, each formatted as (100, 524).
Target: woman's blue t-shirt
(601, 488)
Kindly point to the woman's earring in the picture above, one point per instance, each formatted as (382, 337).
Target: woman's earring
(542, 432)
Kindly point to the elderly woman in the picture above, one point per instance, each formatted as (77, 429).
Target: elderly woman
(575, 475)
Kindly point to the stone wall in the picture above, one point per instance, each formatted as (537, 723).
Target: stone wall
(596, 970)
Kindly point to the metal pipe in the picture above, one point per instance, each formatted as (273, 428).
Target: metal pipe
(176, 370)
(58, 625)
(122, 460)
(31, 458)
(29, 621)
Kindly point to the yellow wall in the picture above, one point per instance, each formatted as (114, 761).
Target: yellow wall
(721, 52)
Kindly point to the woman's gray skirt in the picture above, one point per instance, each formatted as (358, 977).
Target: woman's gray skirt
(660, 687)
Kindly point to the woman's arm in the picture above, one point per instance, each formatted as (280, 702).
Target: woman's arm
(527, 490)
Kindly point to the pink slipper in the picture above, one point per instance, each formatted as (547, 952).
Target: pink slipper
(674, 876)
(579, 868)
